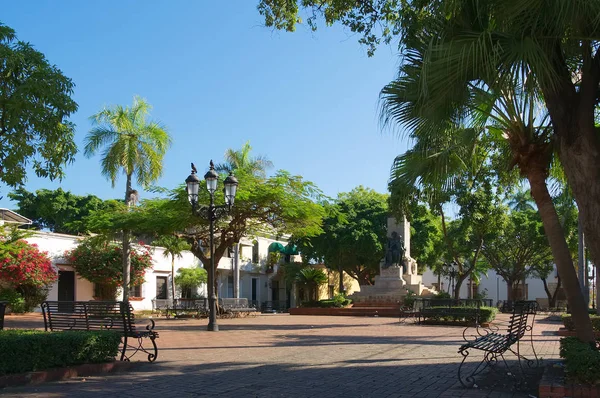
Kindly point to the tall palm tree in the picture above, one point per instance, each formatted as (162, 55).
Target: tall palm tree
(132, 144)
(242, 160)
(174, 247)
(439, 86)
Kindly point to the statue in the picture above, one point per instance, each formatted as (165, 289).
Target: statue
(394, 251)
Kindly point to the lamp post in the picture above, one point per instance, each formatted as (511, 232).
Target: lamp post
(213, 213)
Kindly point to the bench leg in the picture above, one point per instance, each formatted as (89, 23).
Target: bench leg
(123, 357)
(152, 354)
(489, 359)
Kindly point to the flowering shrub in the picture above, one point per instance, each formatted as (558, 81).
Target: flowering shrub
(25, 273)
(23, 264)
(102, 263)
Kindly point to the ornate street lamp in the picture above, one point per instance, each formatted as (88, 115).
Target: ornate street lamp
(213, 213)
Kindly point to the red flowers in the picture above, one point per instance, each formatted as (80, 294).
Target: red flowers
(23, 264)
(102, 262)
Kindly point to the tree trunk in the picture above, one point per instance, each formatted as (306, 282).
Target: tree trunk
(126, 246)
(459, 281)
(536, 174)
(510, 291)
(173, 278)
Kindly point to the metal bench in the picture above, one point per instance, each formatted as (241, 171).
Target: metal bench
(2, 311)
(235, 305)
(495, 344)
(178, 307)
(101, 315)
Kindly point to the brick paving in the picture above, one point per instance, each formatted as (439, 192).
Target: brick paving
(279, 355)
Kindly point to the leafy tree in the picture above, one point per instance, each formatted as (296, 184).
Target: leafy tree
(518, 249)
(279, 204)
(132, 144)
(100, 261)
(24, 269)
(459, 47)
(35, 102)
(174, 247)
(312, 278)
(354, 235)
(59, 211)
(190, 279)
(426, 237)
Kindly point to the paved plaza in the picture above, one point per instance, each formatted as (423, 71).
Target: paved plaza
(279, 355)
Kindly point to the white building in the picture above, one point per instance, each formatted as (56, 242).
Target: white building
(256, 283)
(494, 287)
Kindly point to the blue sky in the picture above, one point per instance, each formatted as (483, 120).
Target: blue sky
(217, 78)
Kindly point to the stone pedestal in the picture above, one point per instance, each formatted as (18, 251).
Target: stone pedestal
(396, 280)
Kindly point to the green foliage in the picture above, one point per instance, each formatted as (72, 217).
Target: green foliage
(133, 143)
(15, 300)
(39, 350)
(35, 102)
(100, 262)
(569, 323)
(339, 301)
(409, 299)
(60, 211)
(312, 278)
(442, 295)
(519, 248)
(25, 272)
(459, 315)
(582, 361)
(354, 234)
(190, 278)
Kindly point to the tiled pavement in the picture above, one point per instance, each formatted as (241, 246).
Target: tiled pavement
(293, 356)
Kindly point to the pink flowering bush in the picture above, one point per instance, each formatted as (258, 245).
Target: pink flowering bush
(25, 272)
(101, 263)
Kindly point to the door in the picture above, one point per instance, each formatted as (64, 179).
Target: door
(254, 289)
(66, 285)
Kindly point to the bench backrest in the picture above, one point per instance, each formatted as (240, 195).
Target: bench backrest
(88, 315)
(519, 319)
(191, 304)
(233, 303)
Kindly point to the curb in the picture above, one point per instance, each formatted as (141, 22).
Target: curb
(88, 369)
(552, 385)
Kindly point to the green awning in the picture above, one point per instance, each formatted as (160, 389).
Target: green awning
(276, 247)
(291, 249)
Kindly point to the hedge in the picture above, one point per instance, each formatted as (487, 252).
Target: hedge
(330, 303)
(570, 325)
(33, 350)
(459, 314)
(582, 361)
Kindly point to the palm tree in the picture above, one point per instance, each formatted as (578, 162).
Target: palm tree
(174, 247)
(241, 160)
(439, 85)
(132, 144)
(312, 278)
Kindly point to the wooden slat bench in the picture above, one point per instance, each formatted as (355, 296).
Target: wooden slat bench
(495, 344)
(101, 315)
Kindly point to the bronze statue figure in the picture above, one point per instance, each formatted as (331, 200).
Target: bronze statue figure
(394, 251)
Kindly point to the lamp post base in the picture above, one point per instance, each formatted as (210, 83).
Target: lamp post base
(212, 327)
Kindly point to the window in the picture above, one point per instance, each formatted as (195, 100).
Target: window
(135, 291)
(229, 285)
(104, 292)
(255, 252)
(331, 291)
(161, 287)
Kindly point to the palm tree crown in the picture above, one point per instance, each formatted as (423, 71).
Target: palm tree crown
(132, 143)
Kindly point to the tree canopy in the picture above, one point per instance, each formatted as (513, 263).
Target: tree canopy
(35, 103)
(60, 211)
(354, 234)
